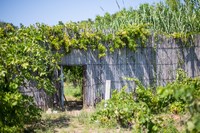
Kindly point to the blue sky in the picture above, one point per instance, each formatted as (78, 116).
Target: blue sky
(51, 11)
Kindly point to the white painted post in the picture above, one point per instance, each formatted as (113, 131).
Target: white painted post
(107, 91)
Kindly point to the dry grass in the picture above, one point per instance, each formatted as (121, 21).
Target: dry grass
(78, 121)
(75, 121)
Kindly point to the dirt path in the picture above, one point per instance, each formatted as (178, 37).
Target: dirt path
(72, 121)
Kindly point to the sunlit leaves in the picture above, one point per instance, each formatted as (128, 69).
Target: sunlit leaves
(23, 58)
(146, 110)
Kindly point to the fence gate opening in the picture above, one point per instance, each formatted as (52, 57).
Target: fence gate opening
(72, 86)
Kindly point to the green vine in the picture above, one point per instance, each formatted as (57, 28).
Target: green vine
(74, 36)
(132, 36)
(79, 36)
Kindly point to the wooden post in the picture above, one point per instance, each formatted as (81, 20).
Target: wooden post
(107, 91)
(62, 88)
(84, 87)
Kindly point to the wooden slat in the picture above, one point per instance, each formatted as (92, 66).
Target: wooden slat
(157, 63)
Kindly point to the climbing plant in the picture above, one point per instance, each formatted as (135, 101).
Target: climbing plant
(24, 59)
(143, 109)
(32, 53)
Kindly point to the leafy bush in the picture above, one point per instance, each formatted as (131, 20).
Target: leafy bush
(17, 110)
(176, 107)
(108, 112)
(23, 58)
(123, 110)
(184, 92)
(144, 113)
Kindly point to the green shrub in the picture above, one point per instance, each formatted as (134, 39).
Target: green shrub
(122, 110)
(176, 107)
(183, 94)
(23, 58)
(142, 110)
(109, 113)
(17, 110)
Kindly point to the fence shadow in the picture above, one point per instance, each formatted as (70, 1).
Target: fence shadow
(49, 123)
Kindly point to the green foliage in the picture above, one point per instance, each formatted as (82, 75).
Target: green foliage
(143, 110)
(79, 36)
(172, 18)
(17, 110)
(118, 114)
(4, 24)
(74, 74)
(26, 55)
(130, 28)
(122, 110)
(73, 82)
(24, 58)
(176, 107)
(102, 50)
(71, 92)
(184, 93)
(168, 16)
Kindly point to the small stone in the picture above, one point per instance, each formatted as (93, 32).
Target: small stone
(49, 111)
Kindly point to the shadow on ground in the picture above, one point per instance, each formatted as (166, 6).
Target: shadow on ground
(49, 123)
(74, 105)
(56, 119)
